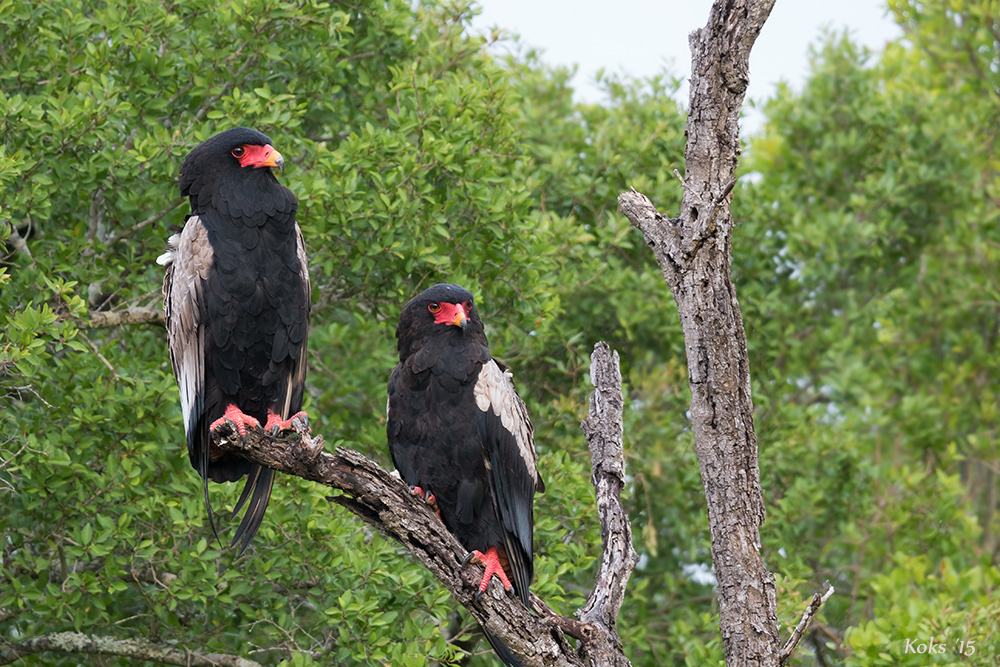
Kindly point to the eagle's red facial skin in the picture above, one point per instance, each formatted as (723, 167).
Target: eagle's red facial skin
(455, 314)
(259, 156)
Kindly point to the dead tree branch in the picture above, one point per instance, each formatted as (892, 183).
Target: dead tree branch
(807, 616)
(384, 502)
(116, 318)
(694, 252)
(604, 430)
(140, 649)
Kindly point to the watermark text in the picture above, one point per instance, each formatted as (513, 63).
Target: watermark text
(966, 647)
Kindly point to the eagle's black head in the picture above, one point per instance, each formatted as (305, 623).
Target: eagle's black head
(234, 165)
(445, 311)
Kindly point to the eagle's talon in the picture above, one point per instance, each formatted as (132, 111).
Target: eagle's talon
(491, 561)
(237, 420)
(276, 424)
(428, 497)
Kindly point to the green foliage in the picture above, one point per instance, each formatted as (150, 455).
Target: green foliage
(918, 604)
(402, 150)
(864, 258)
(874, 350)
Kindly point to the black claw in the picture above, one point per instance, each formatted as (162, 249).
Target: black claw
(469, 556)
(478, 595)
(236, 430)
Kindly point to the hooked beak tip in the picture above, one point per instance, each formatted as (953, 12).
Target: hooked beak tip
(275, 160)
(272, 158)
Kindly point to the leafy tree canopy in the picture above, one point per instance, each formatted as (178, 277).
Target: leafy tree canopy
(865, 263)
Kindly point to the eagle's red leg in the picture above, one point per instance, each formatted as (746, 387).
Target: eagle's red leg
(276, 425)
(238, 417)
(491, 559)
(429, 497)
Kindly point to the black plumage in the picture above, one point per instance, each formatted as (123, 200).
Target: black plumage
(459, 433)
(236, 295)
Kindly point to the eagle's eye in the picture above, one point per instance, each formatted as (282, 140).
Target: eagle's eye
(434, 307)
(238, 152)
(468, 306)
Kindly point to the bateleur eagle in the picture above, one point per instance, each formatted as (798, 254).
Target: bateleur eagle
(460, 435)
(236, 296)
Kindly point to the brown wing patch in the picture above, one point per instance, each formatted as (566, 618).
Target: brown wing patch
(297, 377)
(188, 260)
(495, 391)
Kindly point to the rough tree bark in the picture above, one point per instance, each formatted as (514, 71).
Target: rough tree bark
(117, 318)
(694, 252)
(604, 430)
(139, 649)
(384, 501)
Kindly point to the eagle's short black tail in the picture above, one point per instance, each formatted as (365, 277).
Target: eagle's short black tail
(502, 651)
(260, 481)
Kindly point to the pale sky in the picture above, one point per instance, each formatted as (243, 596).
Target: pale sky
(643, 37)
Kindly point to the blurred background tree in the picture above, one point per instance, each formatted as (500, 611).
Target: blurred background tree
(865, 262)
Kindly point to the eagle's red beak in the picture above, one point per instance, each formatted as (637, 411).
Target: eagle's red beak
(452, 314)
(270, 158)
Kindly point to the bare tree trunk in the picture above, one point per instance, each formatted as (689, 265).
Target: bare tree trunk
(694, 253)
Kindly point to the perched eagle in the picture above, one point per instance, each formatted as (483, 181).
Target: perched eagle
(460, 435)
(236, 296)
